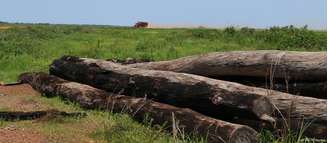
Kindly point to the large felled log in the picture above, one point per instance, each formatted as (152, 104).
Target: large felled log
(187, 90)
(303, 88)
(305, 70)
(163, 86)
(294, 114)
(300, 66)
(189, 121)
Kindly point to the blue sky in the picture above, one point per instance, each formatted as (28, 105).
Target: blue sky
(218, 13)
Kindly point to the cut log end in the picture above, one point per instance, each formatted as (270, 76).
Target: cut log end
(262, 107)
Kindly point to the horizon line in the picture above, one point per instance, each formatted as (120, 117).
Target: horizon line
(169, 26)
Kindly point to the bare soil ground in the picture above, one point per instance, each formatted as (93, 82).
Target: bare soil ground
(22, 97)
(18, 90)
(16, 135)
(17, 98)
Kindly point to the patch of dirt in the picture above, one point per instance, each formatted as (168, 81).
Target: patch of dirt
(15, 135)
(21, 103)
(20, 97)
(18, 89)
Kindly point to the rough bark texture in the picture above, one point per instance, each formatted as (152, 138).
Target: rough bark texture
(309, 89)
(300, 66)
(164, 86)
(189, 121)
(187, 90)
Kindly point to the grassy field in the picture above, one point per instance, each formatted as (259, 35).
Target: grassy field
(33, 47)
(26, 47)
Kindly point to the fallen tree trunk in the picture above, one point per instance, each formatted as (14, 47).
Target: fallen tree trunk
(187, 90)
(163, 86)
(190, 121)
(310, 89)
(294, 114)
(300, 66)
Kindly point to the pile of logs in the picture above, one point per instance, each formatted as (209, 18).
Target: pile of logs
(225, 97)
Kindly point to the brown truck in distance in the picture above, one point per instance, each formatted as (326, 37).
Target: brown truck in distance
(141, 24)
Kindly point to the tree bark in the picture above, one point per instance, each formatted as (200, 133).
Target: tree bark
(309, 89)
(185, 90)
(300, 66)
(188, 120)
(164, 86)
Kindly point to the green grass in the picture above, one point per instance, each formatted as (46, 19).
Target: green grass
(33, 47)
(26, 47)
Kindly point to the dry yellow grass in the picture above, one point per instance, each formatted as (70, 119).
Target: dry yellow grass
(4, 27)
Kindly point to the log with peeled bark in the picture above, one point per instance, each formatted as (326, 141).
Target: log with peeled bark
(188, 120)
(163, 86)
(299, 66)
(186, 90)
